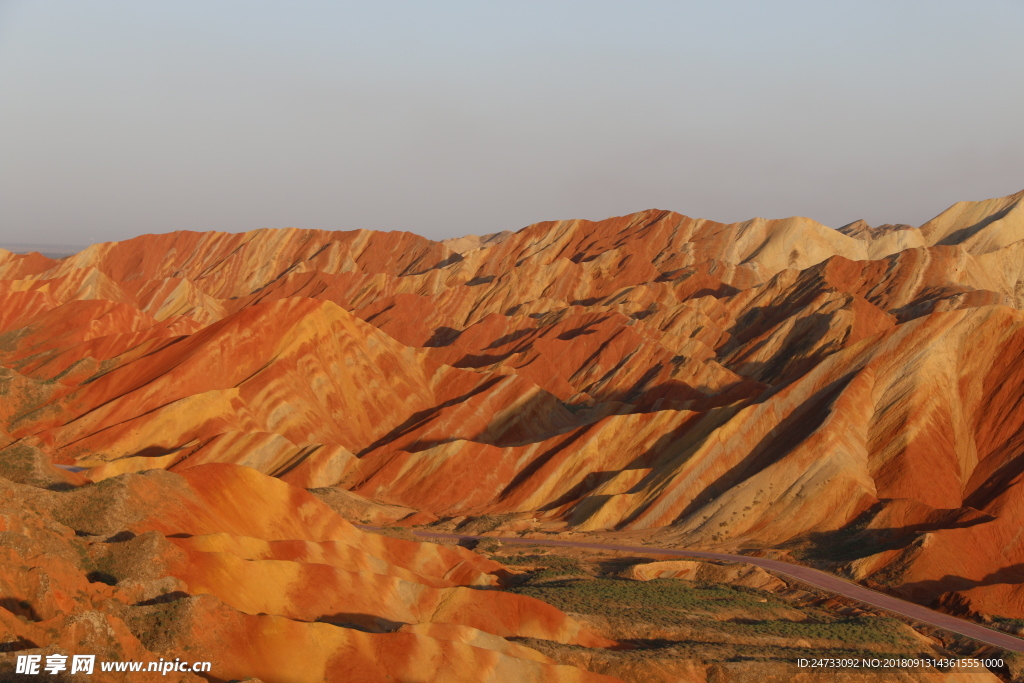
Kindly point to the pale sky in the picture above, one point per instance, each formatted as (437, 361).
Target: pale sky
(447, 118)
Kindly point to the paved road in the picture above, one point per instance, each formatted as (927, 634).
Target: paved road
(810, 576)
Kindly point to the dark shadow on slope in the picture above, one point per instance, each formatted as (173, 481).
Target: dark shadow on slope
(962, 234)
(508, 435)
(927, 300)
(19, 643)
(153, 452)
(590, 481)
(473, 360)
(101, 577)
(857, 540)
(649, 458)
(847, 545)
(300, 457)
(784, 367)
(410, 269)
(443, 336)
(788, 434)
(20, 608)
(926, 592)
(165, 598)
(537, 463)
(996, 484)
(584, 329)
(680, 277)
(419, 417)
(481, 280)
(511, 337)
(368, 623)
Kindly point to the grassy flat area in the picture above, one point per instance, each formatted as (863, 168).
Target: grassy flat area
(668, 624)
(669, 603)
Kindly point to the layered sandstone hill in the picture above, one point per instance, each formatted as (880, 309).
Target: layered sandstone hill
(227, 565)
(770, 383)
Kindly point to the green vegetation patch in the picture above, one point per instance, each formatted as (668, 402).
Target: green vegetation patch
(671, 603)
(532, 559)
(662, 602)
(848, 630)
(1014, 626)
(549, 566)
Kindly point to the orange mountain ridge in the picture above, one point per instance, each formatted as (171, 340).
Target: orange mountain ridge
(770, 384)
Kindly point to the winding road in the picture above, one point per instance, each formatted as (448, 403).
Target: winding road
(813, 577)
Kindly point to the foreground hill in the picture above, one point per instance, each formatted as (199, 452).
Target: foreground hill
(845, 397)
(226, 565)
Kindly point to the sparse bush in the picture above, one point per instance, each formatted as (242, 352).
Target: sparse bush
(667, 603)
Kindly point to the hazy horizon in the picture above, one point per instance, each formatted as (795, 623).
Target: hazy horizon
(456, 118)
(67, 249)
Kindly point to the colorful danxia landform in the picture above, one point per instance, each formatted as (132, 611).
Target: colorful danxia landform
(850, 398)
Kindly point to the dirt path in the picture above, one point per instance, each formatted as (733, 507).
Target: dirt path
(814, 577)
